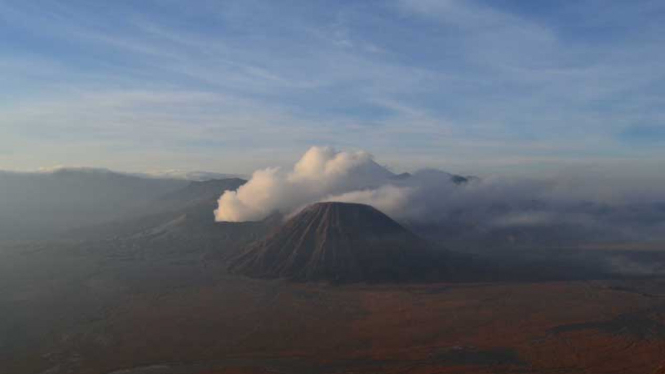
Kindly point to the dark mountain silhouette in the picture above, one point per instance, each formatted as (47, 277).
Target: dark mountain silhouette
(187, 211)
(177, 225)
(340, 242)
(197, 193)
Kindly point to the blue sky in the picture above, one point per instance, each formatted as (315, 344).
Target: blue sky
(501, 86)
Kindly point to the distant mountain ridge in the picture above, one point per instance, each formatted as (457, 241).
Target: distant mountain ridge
(191, 207)
(39, 205)
(177, 225)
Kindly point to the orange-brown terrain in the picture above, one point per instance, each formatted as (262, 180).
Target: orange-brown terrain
(95, 315)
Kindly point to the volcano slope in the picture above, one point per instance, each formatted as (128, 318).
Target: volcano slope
(340, 242)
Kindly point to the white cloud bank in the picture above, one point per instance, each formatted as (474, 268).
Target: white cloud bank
(324, 174)
(439, 199)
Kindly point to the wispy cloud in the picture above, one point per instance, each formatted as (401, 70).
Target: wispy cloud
(463, 84)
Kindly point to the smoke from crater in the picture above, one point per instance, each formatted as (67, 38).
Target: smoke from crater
(435, 197)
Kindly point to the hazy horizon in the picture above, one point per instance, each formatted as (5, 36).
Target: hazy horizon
(590, 179)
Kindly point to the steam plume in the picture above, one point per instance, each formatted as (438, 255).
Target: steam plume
(321, 172)
(433, 197)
